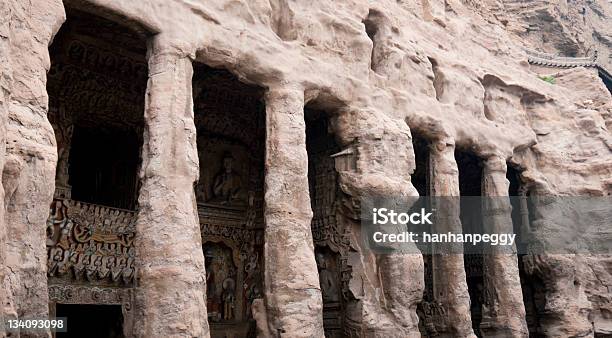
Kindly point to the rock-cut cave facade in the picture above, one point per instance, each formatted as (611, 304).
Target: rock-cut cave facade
(195, 168)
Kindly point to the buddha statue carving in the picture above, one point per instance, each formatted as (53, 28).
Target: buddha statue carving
(227, 184)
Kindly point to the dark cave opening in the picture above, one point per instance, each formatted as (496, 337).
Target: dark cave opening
(96, 85)
(532, 286)
(104, 166)
(92, 321)
(470, 185)
(325, 197)
(420, 180)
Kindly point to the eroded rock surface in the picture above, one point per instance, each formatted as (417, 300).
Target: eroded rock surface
(455, 72)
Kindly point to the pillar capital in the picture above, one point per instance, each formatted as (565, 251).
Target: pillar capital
(285, 89)
(495, 163)
(163, 46)
(443, 166)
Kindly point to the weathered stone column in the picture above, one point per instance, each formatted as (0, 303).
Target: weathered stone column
(170, 290)
(451, 290)
(387, 287)
(503, 308)
(292, 292)
(5, 305)
(29, 158)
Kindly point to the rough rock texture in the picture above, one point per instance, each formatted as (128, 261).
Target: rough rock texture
(379, 69)
(387, 295)
(503, 308)
(29, 161)
(5, 298)
(293, 294)
(450, 276)
(170, 295)
(567, 28)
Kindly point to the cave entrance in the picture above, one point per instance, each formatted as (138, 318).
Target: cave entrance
(230, 124)
(331, 246)
(93, 321)
(420, 179)
(96, 87)
(470, 185)
(532, 286)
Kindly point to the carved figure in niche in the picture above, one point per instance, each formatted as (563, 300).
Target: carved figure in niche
(227, 184)
(211, 303)
(220, 282)
(251, 257)
(63, 128)
(229, 297)
(327, 279)
(251, 211)
(58, 226)
(250, 288)
(252, 293)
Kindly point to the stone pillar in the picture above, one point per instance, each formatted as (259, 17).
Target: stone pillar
(524, 210)
(29, 158)
(292, 292)
(387, 287)
(503, 309)
(451, 290)
(5, 305)
(170, 286)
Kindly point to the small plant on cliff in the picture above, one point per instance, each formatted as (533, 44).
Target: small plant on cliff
(548, 78)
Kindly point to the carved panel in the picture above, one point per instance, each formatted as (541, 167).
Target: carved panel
(230, 122)
(93, 84)
(325, 193)
(329, 235)
(221, 276)
(81, 294)
(90, 242)
(432, 315)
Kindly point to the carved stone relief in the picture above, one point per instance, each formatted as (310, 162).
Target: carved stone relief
(221, 275)
(230, 127)
(226, 180)
(96, 76)
(78, 294)
(90, 242)
(329, 235)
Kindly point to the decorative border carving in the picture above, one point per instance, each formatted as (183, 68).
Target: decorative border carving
(81, 294)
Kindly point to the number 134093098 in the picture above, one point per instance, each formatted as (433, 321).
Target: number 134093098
(55, 324)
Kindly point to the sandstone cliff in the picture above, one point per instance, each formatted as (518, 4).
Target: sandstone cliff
(454, 72)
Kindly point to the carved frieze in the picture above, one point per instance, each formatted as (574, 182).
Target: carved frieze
(89, 84)
(82, 294)
(90, 242)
